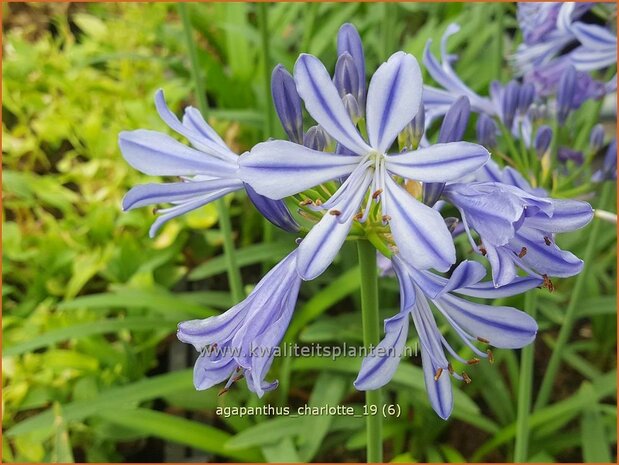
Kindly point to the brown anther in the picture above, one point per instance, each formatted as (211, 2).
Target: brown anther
(483, 250)
(318, 202)
(238, 369)
(523, 252)
(450, 369)
(377, 193)
(490, 356)
(305, 202)
(335, 212)
(155, 210)
(467, 379)
(548, 283)
(473, 361)
(386, 218)
(438, 374)
(358, 216)
(547, 241)
(481, 339)
(222, 392)
(239, 377)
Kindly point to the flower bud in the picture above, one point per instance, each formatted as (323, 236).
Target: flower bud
(596, 138)
(526, 97)
(315, 138)
(543, 139)
(287, 103)
(486, 131)
(565, 93)
(349, 41)
(352, 107)
(509, 103)
(455, 121)
(346, 78)
(565, 154)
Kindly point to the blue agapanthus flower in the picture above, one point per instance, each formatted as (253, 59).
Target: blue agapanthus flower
(207, 172)
(277, 169)
(502, 327)
(388, 181)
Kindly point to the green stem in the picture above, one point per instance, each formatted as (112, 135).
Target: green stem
(525, 387)
(234, 275)
(608, 189)
(371, 335)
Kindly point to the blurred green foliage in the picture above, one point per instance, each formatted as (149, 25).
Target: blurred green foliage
(91, 303)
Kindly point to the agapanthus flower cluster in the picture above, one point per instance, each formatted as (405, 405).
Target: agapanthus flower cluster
(366, 169)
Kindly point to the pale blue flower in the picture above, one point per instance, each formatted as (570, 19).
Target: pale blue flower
(277, 169)
(242, 342)
(207, 172)
(499, 326)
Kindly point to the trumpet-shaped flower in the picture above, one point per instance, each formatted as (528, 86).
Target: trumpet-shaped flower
(518, 230)
(501, 327)
(242, 341)
(207, 172)
(277, 169)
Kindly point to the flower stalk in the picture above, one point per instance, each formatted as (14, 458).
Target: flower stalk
(234, 275)
(371, 336)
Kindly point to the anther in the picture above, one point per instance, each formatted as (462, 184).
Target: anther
(483, 250)
(467, 379)
(523, 252)
(358, 216)
(547, 241)
(222, 392)
(490, 356)
(481, 339)
(438, 374)
(377, 193)
(238, 378)
(450, 369)
(386, 218)
(318, 202)
(473, 361)
(305, 202)
(335, 212)
(548, 283)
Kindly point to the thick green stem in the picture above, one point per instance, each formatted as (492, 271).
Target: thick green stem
(525, 387)
(234, 275)
(371, 337)
(545, 390)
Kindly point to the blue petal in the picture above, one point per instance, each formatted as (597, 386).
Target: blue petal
(439, 392)
(150, 194)
(194, 120)
(379, 366)
(277, 169)
(568, 215)
(213, 146)
(393, 99)
(158, 154)
(487, 289)
(546, 259)
(208, 372)
(324, 104)
(503, 327)
(419, 231)
(439, 163)
(273, 210)
(216, 329)
(287, 103)
(502, 263)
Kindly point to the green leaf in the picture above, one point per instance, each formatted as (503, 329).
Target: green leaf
(114, 398)
(281, 452)
(62, 451)
(246, 256)
(177, 429)
(595, 447)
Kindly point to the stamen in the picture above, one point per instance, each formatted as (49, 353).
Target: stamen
(547, 241)
(438, 374)
(335, 212)
(377, 193)
(548, 283)
(450, 369)
(473, 361)
(490, 356)
(304, 203)
(386, 219)
(523, 252)
(318, 202)
(358, 216)
(222, 392)
(483, 250)
(467, 378)
(483, 340)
